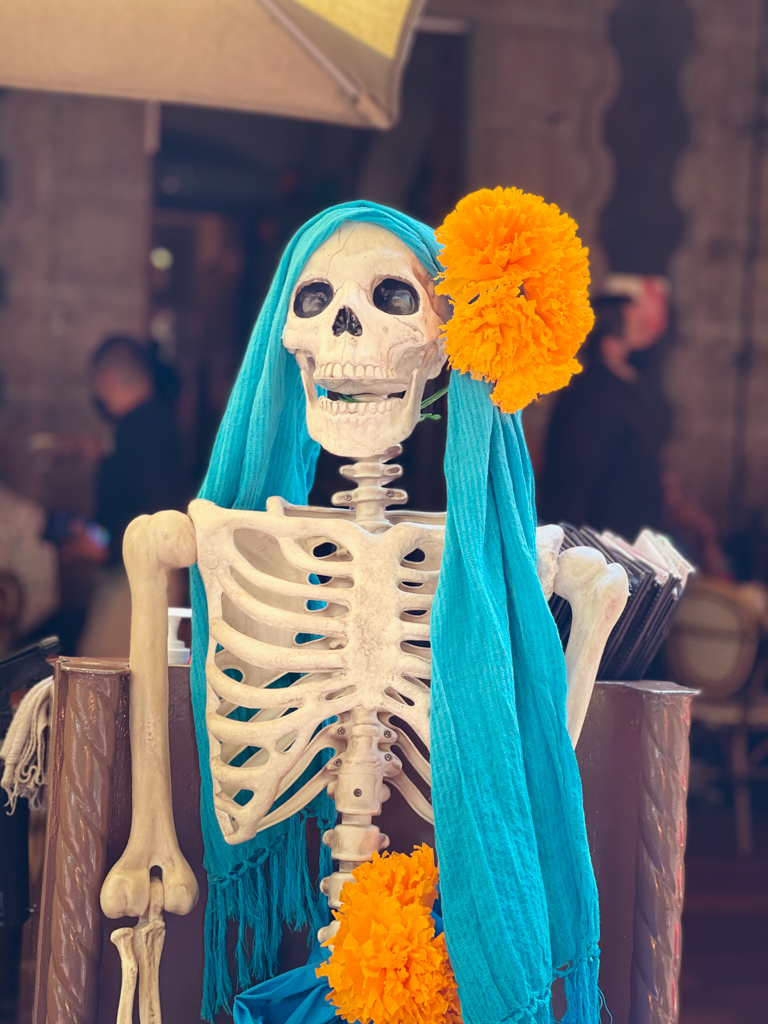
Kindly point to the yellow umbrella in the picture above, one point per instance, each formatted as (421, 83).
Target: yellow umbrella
(329, 60)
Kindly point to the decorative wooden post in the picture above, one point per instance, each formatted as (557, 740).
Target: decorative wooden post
(633, 755)
(659, 871)
(80, 780)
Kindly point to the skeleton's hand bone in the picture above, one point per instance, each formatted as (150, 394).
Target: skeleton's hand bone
(597, 593)
(153, 545)
(549, 540)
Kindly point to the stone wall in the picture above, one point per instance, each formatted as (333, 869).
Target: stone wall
(74, 228)
(718, 372)
(542, 77)
(75, 202)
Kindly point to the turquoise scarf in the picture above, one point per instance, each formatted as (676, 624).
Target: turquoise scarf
(518, 894)
(519, 898)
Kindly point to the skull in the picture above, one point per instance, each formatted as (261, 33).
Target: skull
(364, 324)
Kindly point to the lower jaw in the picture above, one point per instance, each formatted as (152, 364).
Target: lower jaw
(358, 408)
(359, 435)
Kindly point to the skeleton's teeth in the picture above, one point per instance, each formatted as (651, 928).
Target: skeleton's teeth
(356, 408)
(339, 371)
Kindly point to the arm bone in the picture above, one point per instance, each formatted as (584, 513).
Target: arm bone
(153, 546)
(597, 593)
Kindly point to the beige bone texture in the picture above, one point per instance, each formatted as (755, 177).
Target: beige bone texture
(140, 949)
(597, 594)
(153, 546)
(384, 355)
(256, 568)
(148, 941)
(318, 613)
(123, 940)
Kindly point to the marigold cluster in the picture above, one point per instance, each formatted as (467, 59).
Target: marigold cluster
(387, 966)
(518, 276)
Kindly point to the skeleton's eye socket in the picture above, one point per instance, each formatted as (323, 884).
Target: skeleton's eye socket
(312, 299)
(395, 297)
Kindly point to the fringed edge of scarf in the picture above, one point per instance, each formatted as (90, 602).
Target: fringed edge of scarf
(269, 889)
(584, 998)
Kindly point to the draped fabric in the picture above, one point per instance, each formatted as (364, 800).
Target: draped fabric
(263, 448)
(519, 899)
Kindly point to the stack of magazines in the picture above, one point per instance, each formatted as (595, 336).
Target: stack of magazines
(657, 576)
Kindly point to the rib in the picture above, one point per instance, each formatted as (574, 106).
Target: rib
(413, 797)
(279, 618)
(413, 756)
(285, 659)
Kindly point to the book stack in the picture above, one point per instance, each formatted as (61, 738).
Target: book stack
(657, 575)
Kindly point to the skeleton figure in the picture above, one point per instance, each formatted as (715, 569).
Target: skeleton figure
(334, 602)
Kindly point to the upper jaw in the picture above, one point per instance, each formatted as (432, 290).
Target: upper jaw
(356, 379)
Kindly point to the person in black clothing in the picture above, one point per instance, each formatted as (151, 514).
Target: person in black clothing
(602, 456)
(143, 474)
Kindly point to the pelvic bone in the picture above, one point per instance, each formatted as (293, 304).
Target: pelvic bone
(352, 347)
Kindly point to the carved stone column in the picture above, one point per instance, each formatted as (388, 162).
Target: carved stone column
(718, 372)
(543, 76)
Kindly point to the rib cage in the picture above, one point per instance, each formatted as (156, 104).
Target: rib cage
(366, 646)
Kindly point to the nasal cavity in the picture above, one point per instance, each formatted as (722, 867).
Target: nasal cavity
(347, 321)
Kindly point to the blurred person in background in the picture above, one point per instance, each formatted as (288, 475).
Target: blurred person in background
(143, 474)
(602, 456)
(29, 567)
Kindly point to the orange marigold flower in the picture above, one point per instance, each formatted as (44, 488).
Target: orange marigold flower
(518, 277)
(387, 966)
(410, 877)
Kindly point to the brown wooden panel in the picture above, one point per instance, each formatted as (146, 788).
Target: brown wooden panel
(633, 758)
(83, 736)
(181, 968)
